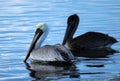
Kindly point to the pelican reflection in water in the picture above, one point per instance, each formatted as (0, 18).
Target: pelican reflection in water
(47, 53)
(41, 71)
(88, 41)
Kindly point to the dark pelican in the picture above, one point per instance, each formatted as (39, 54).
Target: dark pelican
(47, 53)
(89, 40)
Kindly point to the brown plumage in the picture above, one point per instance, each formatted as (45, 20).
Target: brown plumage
(89, 40)
(92, 40)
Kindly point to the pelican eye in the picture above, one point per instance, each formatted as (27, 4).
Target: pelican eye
(38, 30)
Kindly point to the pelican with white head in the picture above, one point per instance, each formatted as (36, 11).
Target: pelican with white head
(49, 53)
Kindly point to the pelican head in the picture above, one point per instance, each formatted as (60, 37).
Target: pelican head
(42, 32)
(39, 36)
(41, 26)
(72, 24)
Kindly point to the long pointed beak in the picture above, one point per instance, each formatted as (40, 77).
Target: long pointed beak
(35, 39)
(68, 33)
(72, 22)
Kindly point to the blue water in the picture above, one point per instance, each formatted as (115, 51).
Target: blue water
(17, 24)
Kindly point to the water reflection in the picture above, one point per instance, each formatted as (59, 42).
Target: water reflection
(96, 65)
(43, 71)
(116, 78)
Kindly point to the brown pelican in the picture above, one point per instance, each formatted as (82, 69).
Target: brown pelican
(47, 53)
(89, 40)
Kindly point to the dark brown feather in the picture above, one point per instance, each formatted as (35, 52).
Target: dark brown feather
(92, 40)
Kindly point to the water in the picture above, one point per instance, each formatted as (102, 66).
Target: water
(17, 24)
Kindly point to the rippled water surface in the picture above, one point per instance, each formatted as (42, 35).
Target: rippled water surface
(17, 24)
